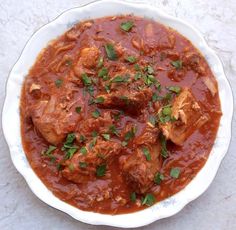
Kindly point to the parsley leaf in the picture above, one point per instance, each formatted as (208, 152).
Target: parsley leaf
(58, 83)
(83, 150)
(78, 109)
(158, 178)
(146, 153)
(103, 72)
(131, 59)
(133, 197)
(130, 134)
(49, 151)
(178, 64)
(83, 164)
(100, 62)
(148, 200)
(164, 151)
(101, 170)
(106, 136)
(175, 89)
(96, 113)
(175, 172)
(126, 26)
(113, 130)
(86, 80)
(111, 52)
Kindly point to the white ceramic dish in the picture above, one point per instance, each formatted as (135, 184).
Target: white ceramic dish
(11, 118)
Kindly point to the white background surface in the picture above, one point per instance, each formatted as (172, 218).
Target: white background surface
(20, 209)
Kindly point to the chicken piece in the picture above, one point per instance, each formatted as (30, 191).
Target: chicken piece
(148, 136)
(138, 170)
(189, 116)
(87, 60)
(130, 101)
(82, 167)
(193, 61)
(100, 125)
(52, 120)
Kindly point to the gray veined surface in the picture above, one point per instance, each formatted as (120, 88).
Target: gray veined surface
(215, 209)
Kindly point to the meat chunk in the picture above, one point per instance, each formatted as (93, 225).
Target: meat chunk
(87, 60)
(52, 120)
(130, 101)
(193, 61)
(82, 167)
(138, 170)
(100, 125)
(148, 136)
(188, 115)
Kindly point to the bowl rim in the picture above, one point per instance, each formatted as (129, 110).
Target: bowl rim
(169, 206)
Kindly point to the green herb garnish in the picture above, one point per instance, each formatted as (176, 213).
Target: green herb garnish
(103, 72)
(101, 170)
(111, 52)
(146, 153)
(49, 151)
(131, 59)
(83, 164)
(148, 200)
(158, 178)
(96, 113)
(100, 62)
(175, 172)
(175, 89)
(164, 151)
(83, 150)
(86, 80)
(58, 83)
(133, 197)
(106, 136)
(126, 26)
(177, 64)
(78, 109)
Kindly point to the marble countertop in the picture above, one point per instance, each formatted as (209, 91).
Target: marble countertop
(19, 207)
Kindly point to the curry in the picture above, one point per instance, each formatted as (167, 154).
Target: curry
(118, 113)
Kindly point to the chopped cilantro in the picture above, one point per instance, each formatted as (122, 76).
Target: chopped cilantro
(113, 130)
(83, 150)
(137, 67)
(164, 151)
(133, 197)
(96, 113)
(158, 178)
(175, 89)
(175, 172)
(148, 200)
(178, 64)
(86, 80)
(130, 134)
(100, 62)
(101, 170)
(58, 83)
(94, 134)
(106, 136)
(152, 120)
(103, 72)
(126, 26)
(146, 153)
(70, 152)
(83, 164)
(111, 52)
(49, 151)
(78, 109)
(131, 59)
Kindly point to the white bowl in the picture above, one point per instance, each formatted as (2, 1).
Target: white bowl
(11, 116)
